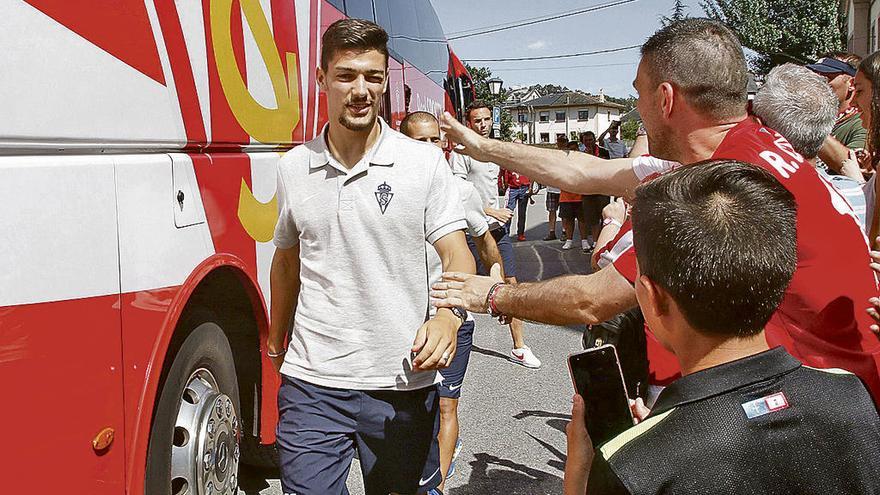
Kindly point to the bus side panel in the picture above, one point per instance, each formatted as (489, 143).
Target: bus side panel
(427, 96)
(60, 367)
(398, 93)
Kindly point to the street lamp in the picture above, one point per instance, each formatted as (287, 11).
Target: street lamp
(494, 86)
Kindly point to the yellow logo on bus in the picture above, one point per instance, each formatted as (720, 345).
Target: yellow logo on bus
(267, 125)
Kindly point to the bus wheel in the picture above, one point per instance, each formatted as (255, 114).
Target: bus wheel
(194, 441)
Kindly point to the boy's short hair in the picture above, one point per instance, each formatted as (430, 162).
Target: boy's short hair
(720, 238)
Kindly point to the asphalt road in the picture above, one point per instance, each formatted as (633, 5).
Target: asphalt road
(512, 418)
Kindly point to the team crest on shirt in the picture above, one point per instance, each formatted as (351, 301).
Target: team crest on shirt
(383, 196)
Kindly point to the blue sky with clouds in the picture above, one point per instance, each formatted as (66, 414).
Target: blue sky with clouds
(618, 26)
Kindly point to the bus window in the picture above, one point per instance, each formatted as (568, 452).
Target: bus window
(360, 9)
(338, 4)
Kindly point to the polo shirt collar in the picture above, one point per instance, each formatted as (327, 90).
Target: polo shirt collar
(382, 151)
(724, 378)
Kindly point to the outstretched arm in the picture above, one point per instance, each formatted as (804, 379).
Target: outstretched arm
(566, 300)
(576, 172)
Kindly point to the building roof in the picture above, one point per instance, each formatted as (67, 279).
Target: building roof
(568, 99)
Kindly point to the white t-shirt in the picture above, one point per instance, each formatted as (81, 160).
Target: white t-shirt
(616, 149)
(362, 235)
(476, 227)
(484, 177)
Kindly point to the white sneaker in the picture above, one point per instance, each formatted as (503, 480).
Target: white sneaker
(585, 246)
(525, 357)
(567, 244)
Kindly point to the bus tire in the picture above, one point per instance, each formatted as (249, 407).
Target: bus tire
(196, 431)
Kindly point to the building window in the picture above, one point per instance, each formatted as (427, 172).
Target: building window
(545, 137)
(559, 135)
(583, 115)
(521, 117)
(560, 116)
(544, 117)
(873, 36)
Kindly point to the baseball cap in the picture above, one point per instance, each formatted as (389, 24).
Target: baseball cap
(828, 65)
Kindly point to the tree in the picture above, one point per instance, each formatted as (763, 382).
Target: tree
(480, 75)
(781, 31)
(678, 13)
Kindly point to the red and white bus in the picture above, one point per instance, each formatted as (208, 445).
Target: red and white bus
(138, 146)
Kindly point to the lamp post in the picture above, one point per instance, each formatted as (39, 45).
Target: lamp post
(494, 86)
(495, 90)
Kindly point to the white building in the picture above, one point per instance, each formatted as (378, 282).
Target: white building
(542, 119)
(862, 30)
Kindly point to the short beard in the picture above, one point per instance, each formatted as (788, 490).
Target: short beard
(360, 126)
(661, 145)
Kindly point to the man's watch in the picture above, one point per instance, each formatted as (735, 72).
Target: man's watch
(461, 313)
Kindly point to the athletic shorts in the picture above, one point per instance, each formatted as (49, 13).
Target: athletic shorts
(592, 205)
(570, 209)
(453, 375)
(552, 201)
(505, 247)
(394, 432)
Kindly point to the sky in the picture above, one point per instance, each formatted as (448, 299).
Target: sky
(618, 26)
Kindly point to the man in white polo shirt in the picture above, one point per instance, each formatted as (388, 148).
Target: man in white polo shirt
(356, 206)
(484, 177)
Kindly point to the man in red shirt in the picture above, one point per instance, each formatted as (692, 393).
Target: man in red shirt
(692, 98)
(518, 194)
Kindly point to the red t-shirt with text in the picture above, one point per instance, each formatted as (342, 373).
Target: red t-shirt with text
(822, 319)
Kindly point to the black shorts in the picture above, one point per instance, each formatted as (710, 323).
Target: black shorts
(592, 205)
(453, 375)
(552, 201)
(570, 209)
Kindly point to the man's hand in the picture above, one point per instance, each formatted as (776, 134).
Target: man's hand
(638, 409)
(469, 142)
(503, 215)
(465, 290)
(435, 342)
(615, 210)
(580, 450)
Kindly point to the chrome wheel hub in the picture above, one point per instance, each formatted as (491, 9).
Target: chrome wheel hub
(205, 453)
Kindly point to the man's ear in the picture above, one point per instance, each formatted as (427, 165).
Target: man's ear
(656, 297)
(667, 100)
(320, 78)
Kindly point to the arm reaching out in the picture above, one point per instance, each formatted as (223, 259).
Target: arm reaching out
(566, 300)
(576, 172)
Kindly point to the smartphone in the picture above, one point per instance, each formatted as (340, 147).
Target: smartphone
(598, 378)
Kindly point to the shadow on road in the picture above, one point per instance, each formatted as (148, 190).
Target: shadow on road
(252, 480)
(493, 475)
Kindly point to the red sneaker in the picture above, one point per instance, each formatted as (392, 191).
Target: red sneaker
(521, 237)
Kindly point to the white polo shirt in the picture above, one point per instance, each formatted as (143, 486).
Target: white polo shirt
(362, 233)
(484, 177)
(476, 227)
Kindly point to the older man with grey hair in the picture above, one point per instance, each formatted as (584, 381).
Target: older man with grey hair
(800, 105)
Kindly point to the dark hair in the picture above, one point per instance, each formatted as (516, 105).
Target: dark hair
(588, 133)
(848, 58)
(352, 34)
(720, 237)
(870, 67)
(416, 118)
(703, 59)
(475, 105)
(562, 137)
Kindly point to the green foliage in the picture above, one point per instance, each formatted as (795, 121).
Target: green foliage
(782, 31)
(628, 130)
(480, 75)
(679, 12)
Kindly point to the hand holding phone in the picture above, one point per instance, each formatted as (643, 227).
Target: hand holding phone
(597, 377)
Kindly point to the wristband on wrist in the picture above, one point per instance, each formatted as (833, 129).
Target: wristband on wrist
(493, 309)
(611, 221)
(275, 354)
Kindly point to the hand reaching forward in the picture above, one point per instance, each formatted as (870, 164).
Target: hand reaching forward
(465, 290)
(468, 141)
